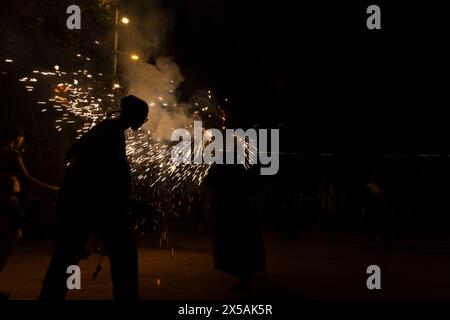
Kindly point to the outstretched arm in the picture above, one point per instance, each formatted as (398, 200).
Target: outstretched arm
(28, 179)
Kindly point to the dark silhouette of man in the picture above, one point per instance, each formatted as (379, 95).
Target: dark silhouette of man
(94, 197)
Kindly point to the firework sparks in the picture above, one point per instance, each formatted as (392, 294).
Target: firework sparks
(80, 99)
(72, 98)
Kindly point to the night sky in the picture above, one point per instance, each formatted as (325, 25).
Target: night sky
(316, 70)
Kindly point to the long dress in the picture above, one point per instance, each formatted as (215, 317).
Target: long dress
(237, 242)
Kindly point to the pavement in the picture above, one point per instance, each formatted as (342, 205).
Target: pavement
(304, 268)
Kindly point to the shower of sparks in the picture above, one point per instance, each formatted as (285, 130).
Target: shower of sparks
(80, 99)
(73, 101)
(250, 154)
(153, 169)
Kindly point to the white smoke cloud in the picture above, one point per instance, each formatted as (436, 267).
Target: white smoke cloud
(156, 84)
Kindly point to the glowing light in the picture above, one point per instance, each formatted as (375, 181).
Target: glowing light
(134, 57)
(125, 20)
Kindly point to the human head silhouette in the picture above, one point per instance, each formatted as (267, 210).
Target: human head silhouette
(133, 111)
(12, 137)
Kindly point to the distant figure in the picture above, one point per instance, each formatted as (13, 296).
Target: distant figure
(238, 248)
(13, 175)
(348, 212)
(376, 213)
(94, 197)
(328, 209)
(290, 212)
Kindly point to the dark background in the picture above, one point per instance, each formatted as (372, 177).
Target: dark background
(315, 68)
(347, 100)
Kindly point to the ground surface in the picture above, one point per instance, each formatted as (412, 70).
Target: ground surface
(303, 268)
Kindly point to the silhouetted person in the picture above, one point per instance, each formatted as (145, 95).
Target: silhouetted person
(290, 213)
(94, 197)
(328, 209)
(348, 210)
(13, 176)
(238, 247)
(377, 213)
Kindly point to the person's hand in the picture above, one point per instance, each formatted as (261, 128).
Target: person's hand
(54, 189)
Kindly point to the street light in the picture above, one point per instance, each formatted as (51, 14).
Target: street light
(132, 56)
(125, 20)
